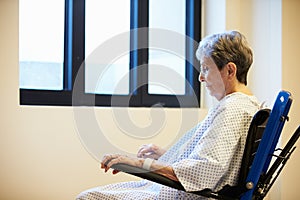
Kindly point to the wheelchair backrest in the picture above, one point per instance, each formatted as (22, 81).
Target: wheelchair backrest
(269, 140)
(255, 133)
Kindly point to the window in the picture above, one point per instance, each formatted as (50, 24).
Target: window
(109, 53)
(41, 48)
(103, 78)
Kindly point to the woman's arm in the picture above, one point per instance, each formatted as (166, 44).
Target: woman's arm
(156, 166)
(162, 169)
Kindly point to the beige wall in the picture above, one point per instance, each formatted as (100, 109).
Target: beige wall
(290, 81)
(273, 29)
(42, 156)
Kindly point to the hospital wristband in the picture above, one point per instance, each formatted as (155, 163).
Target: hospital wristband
(147, 163)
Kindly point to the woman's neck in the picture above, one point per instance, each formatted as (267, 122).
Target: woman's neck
(239, 87)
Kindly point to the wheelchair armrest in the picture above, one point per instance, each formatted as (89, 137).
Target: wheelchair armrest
(149, 175)
(157, 178)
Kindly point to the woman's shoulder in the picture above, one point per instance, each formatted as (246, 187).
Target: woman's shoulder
(238, 101)
(239, 97)
(235, 104)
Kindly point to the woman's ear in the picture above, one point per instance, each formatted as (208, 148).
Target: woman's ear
(231, 69)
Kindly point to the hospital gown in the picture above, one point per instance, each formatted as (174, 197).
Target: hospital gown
(208, 156)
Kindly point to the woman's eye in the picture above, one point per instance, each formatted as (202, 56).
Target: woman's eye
(203, 70)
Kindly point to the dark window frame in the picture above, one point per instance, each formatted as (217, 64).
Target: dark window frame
(74, 49)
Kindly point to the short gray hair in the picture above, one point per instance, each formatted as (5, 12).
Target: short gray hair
(228, 47)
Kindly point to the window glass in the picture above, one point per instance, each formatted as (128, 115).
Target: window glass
(41, 44)
(107, 68)
(167, 68)
(57, 41)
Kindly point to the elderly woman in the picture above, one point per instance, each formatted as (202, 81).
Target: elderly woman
(208, 156)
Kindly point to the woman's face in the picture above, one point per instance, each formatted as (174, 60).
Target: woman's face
(212, 77)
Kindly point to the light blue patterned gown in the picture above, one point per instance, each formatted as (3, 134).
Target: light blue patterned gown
(208, 156)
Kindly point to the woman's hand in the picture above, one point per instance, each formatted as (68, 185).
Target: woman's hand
(159, 168)
(150, 151)
(111, 159)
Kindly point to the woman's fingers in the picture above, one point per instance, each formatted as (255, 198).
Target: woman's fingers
(110, 160)
(106, 160)
(150, 151)
(115, 160)
(115, 171)
(142, 150)
(145, 151)
(104, 167)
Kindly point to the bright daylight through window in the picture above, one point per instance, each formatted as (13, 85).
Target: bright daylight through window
(117, 53)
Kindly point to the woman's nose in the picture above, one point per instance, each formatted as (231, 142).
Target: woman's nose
(201, 77)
